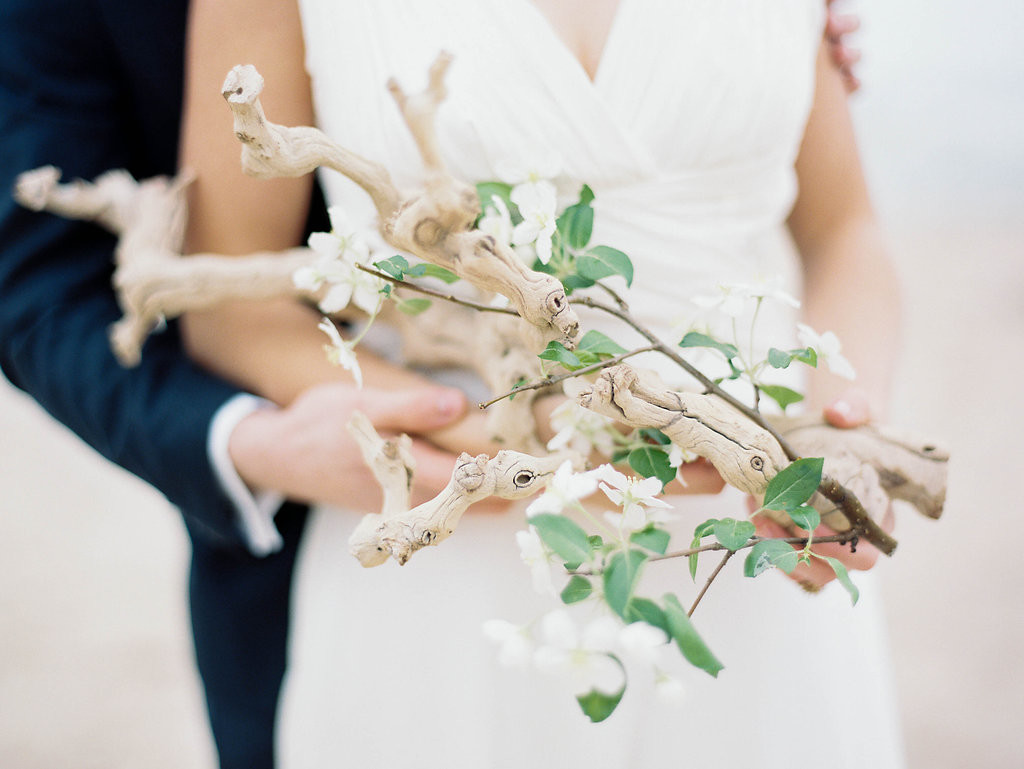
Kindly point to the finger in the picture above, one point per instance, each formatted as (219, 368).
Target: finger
(863, 558)
(412, 410)
(840, 24)
(433, 471)
(698, 477)
(811, 576)
(849, 410)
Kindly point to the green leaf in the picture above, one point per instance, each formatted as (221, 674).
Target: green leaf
(652, 538)
(686, 637)
(557, 352)
(487, 190)
(597, 343)
(768, 553)
(646, 610)
(519, 383)
(655, 436)
(576, 224)
(586, 195)
(703, 529)
(602, 262)
(693, 558)
(413, 306)
(794, 485)
(578, 589)
(778, 358)
(695, 339)
(620, 578)
(395, 266)
(843, 576)
(431, 271)
(620, 456)
(571, 282)
(781, 358)
(652, 462)
(597, 705)
(806, 355)
(563, 536)
(732, 533)
(806, 517)
(781, 395)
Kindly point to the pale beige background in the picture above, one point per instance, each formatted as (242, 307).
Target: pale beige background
(95, 665)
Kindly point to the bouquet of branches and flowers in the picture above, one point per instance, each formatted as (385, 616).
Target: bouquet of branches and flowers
(530, 264)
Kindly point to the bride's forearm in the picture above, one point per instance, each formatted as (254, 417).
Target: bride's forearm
(274, 349)
(852, 290)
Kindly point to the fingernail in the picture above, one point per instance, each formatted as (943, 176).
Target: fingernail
(448, 403)
(843, 409)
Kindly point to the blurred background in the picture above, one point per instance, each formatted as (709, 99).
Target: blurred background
(95, 658)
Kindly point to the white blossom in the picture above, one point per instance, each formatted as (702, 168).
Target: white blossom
(516, 645)
(340, 352)
(678, 456)
(543, 166)
(827, 347)
(642, 642)
(565, 488)
(536, 556)
(636, 496)
(497, 222)
(537, 203)
(733, 299)
(344, 240)
(338, 254)
(581, 656)
(581, 430)
(668, 689)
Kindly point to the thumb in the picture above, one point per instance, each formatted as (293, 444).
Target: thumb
(414, 409)
(848, 410)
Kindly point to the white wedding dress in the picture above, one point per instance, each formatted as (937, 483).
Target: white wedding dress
(687, 136)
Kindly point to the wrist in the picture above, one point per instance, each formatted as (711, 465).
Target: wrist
(255, 449)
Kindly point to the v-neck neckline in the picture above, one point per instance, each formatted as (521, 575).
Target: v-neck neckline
(563, 46)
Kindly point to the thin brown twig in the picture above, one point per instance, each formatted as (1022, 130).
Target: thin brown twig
(841, 538)
(728, 554)
(550, 380)
(830, 488)
(436, 294)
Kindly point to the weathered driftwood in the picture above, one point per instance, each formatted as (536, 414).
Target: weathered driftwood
(435, 224)
(874, 466)
(490, 345)
(397, 531)
(901, 466)
(153, 281)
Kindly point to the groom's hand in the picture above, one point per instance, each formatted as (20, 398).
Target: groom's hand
(305, 451)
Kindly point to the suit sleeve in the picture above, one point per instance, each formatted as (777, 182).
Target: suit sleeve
(62, 103)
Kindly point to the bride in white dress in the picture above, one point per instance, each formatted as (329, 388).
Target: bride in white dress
(686, 117)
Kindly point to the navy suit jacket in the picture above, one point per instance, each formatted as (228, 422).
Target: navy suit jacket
(88, 86)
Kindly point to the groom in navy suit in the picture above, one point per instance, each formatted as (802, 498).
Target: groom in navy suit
(89, 86)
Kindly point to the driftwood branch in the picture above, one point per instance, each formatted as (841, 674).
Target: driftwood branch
(748, 456)
(398, 532)
(434, 224)
(153, 281)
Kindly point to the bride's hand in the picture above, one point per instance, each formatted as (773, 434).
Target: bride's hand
(849, 410)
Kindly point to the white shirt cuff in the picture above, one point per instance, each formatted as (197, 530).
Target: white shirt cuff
(255, 508)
